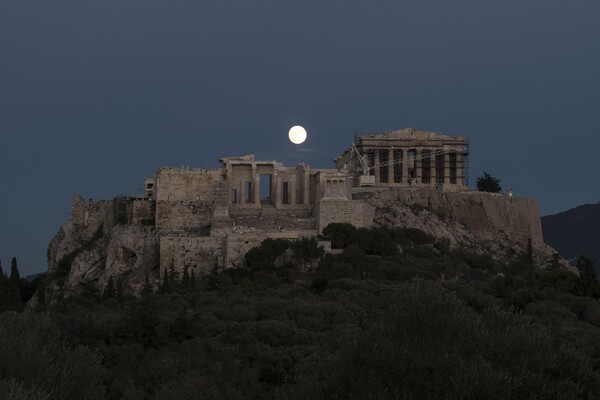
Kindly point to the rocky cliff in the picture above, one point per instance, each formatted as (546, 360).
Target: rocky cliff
(484, 222)
(91, 247)
(98, 242)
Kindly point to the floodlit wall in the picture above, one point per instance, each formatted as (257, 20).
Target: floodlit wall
(186, 198)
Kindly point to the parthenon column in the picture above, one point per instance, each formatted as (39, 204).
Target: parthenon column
(376, 165)
(459, 172)
(417, 168)
(405, 165)
(390, 167)
(446, 168)
(242, 197)
(432, 168)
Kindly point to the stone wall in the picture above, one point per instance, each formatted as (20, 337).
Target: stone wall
(237, 245)
(489, 214)
(183, 215)
(186, 198)
(198, 253)
(143, 211)
(176, 184)
(357, 213)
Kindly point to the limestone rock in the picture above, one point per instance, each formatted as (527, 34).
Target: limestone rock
(89, 248)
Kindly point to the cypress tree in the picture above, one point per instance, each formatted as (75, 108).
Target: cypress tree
(147, 289)
(165, 283)
(192, 280)
(185, 280)
(173, 274)
(14, 271)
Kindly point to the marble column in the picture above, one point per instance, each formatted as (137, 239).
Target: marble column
(459, 171)
(256, 184)
(390, 167)
(446, 168)
(405, 166)
(376, 165)
(293, 194)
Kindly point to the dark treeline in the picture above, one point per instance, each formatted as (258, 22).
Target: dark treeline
(392, 314)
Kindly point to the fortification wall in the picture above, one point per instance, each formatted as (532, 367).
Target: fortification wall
(489, 214)
(183, 215)
(198, 253)
(270, 218)
(186, 199)
(175, 184)
(237, 245)
(143, 211)
(357, 213)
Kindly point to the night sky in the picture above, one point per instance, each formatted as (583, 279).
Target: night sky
(96, 95)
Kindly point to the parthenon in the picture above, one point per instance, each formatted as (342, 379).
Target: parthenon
(407, 158)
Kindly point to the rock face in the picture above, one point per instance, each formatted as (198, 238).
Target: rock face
(91, 247)
(484, 222)
(100, 240)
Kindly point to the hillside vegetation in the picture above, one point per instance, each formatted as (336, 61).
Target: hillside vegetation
(396, 314)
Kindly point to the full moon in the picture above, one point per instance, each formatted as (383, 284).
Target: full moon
(297, 134)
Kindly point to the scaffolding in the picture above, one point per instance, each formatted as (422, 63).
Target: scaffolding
(362, 168)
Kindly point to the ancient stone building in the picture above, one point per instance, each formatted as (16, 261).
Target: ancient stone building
(202, 218)
(212, 217)
(407, 158)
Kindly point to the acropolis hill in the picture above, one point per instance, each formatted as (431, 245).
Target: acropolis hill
(206, 218)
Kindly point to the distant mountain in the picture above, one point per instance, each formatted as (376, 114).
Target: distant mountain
(575, 232)
(30, 278)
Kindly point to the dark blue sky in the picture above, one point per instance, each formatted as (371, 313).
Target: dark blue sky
(95, 96)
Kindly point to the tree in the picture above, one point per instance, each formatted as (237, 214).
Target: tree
(14, 271)
(165, 283)
(263, 257)
(192, 280)
(185, 280)
(10, 296)
(306, 251)
(38, 360)
(587, 283)
(487, 183)
(340, 234)
(147, 289)
(173, 274)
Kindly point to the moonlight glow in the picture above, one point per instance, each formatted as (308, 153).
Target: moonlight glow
(297, 134)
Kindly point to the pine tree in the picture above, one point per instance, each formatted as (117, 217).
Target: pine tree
(487, 183)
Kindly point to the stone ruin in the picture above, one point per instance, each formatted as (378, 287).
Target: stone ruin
(202, 218)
